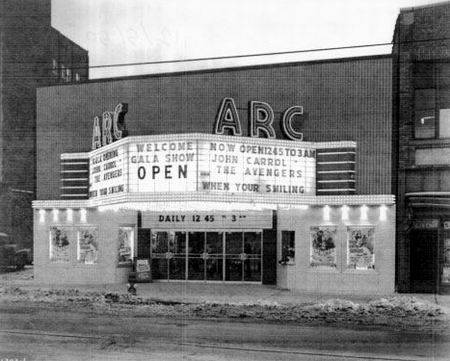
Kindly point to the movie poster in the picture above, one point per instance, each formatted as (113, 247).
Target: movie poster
(59, 244)
(88, 245)
(323, 246)
(360, 247)
(125, 250)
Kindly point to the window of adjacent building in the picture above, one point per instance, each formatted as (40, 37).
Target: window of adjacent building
(287, 246)
(432, 100)
(55, 67)
(445, 269)
(63, 71)
(87, 245)
(424, 110)
(68, 74)
(126, 245)
(77, 77)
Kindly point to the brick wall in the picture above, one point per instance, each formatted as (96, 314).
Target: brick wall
(343, 100)
(421, 34)
(28, 45)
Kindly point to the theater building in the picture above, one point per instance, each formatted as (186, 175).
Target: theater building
(276, 174)
(421, 103)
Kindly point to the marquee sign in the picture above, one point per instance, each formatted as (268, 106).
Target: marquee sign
(203, 163)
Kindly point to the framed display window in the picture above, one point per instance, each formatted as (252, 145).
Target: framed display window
(87, 245)
(287, 247)
(126, 245)
(59, 244)
(361, 247)
(323, 246)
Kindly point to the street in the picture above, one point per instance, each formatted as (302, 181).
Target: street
(33, 331)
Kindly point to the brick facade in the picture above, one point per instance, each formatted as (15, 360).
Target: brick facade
(29, 50)
(343, 99)
(421, 41)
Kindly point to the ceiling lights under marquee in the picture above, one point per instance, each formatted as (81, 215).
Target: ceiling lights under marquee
(143, 201)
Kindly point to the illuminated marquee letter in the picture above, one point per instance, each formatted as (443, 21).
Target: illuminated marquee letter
(287, 123)
(261, 119)
(96, 134)
(228, 118)
(119, 127)
(106, 128)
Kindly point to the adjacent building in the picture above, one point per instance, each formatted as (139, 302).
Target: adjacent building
(32, 54)
(421, 134)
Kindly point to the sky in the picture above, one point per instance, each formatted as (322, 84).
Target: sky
(135, 31)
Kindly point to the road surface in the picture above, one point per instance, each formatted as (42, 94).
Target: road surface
(38, 332)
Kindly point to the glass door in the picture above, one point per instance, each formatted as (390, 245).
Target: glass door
(207, 256)
(214, 256)
(252, 261)
(177, 255)
(243, 256)
(168, 252)
(196, 261)
(233, 256)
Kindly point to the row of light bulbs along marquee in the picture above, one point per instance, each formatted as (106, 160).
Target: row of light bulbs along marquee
(327, 210)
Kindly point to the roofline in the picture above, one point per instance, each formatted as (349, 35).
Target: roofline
(411, 8)
(226, 69)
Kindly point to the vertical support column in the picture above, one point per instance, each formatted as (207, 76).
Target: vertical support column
(143, 238)
(269, 276)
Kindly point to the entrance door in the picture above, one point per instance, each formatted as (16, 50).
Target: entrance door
(207, 256)
(243, 256)
(424, 253)
(168, 252)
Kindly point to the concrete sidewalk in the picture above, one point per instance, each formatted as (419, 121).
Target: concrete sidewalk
(194, 292)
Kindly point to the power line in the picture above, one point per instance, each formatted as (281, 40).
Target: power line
(239, 56)
(254, 55)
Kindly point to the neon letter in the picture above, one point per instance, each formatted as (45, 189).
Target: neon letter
(106, 128)
(228, 118)
(261, 119)
(119, 127)
(96, 134)
(287, 123)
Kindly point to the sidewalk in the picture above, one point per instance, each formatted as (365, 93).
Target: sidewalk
(223, 293)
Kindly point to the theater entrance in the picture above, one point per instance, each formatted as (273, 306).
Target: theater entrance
(207, 255)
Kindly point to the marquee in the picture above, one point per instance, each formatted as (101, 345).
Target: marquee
(203, 163)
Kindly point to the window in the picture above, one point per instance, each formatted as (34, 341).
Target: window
(77, 77)
(68, 74)
(87, 245)
(63, 71)
(126, 245)
(432, 100)
(424, 110)
(55, 67)
(287, 247)
(360, 247)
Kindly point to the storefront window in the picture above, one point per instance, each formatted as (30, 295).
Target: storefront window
(323, 246)
(287, 247)
(432, 100)
(446, 266)
(59, 244)
(360, 248)
(126, 245)
(445, 269)
(87, 247)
